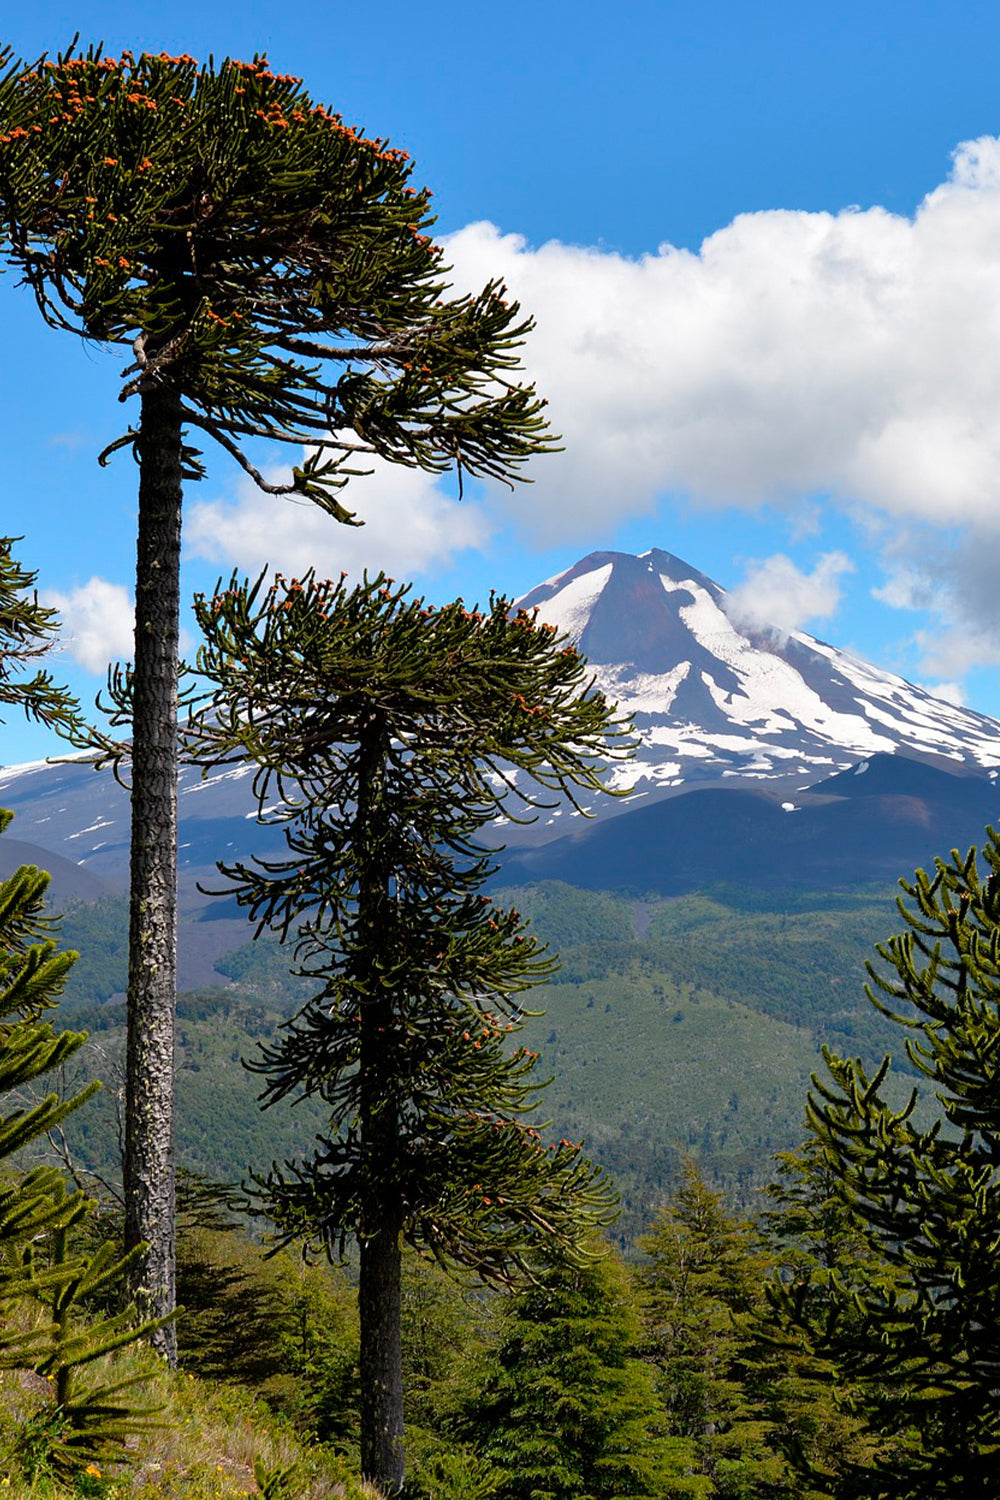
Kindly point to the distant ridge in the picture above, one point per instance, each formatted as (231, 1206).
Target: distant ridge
(772, 757)
(852, 830)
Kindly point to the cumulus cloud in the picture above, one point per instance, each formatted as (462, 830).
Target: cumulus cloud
(853, 354)
(98, 622)
(777, 595)
(951, 692)
(955, 583)
(850, 357)
(411, 525)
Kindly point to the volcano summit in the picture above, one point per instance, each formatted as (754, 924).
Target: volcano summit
(715, 702)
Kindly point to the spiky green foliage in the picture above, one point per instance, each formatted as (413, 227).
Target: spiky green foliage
(920, 1341)
(38, 1267)
(390, 732)
(32, 972)
(96, 1417)
(278, 1482)
(565, 1410)
(388, 725)
(28, 630)
(261, 258)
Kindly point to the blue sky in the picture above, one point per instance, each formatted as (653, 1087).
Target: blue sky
(762, 245)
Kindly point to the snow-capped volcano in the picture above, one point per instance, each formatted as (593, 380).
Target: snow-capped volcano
(714, 701)
(716, 706)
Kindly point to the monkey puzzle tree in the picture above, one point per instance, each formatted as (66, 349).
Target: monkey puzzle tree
(918, 1338)
(268, 269)
(389, 733)
(27, 631)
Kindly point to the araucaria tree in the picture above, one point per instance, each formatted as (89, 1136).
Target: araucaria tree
(268, 270)
(27, 631)
(396, 732)
(919, 1340)
(37, 1214)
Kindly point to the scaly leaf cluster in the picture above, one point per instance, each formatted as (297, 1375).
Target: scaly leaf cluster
(919, 1338)
(28, 630)
(385, 734)
(266, 261)
(97, 1418)
(37, 1214)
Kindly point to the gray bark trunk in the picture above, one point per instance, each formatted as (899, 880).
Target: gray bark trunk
(381, 1363)
(149, 1118)
(380, 1280)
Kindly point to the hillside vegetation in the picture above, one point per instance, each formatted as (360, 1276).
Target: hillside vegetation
(677, 1025)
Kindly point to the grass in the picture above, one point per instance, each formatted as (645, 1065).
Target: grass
(204, 1445)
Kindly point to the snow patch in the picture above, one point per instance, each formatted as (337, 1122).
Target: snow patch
(641, 692)
(27, 767)
(237, 773)
(569, 610)
(94, 827)
(769, 685)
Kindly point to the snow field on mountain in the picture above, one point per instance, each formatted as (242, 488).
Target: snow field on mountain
(777, 704)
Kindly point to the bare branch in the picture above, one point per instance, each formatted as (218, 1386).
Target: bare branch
(248, 429)
(374, 352)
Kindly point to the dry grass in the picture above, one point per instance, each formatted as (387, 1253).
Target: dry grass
(203, 1445)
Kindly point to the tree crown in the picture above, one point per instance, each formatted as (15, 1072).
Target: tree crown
(265, 260)
(299, 672)
(391, 732)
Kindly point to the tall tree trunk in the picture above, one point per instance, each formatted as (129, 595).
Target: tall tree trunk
(381, 1364)
(152, 986)
(381, 1260)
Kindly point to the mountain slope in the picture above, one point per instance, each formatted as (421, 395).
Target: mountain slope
(714, 702)
(746, 769)
(833, 837)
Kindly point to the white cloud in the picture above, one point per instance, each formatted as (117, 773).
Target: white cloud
(411, 525)
(906, 588)
(955, 583)
(952, 649)
(806, 521)
(951, 692)
(98, 622)
(777, 595)
(852, 357)
(855, 354)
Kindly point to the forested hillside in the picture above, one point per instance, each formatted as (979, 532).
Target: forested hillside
(509, 1075)
(677, 1026)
